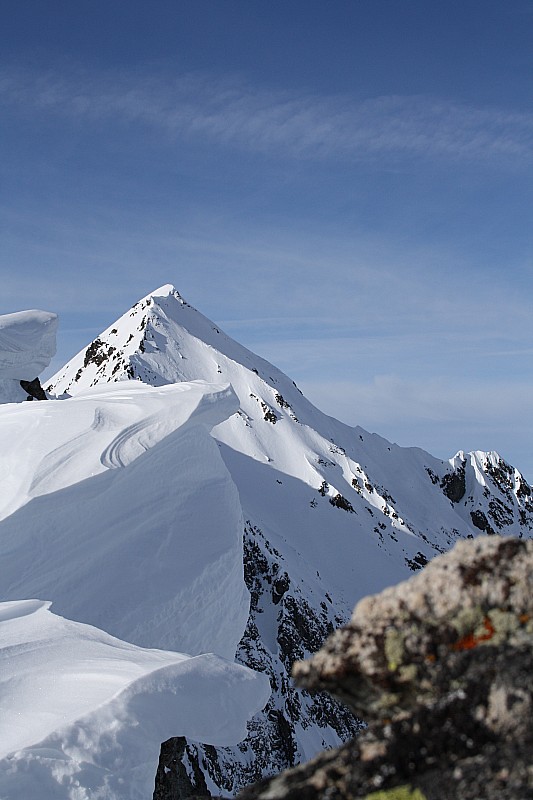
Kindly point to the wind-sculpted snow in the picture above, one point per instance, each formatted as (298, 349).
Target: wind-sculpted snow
(83, 713)
(118, 506)
(334, 513)
(27, 344)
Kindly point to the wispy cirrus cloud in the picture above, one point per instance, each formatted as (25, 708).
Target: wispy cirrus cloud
(233, 113)
(440, 415)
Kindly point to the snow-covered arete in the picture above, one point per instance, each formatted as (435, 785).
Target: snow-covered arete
(299, 471)
(118, 507)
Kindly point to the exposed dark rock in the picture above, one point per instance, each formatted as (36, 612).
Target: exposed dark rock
(269, 414)
(34, 389)
(440, 666)
(341, 502)
(502, 475)
(173, 779)
(480, 521)
(417, 562)
(279, 587)
(97, 353)
(432, 476)
(500, 512)
(524, 490)
(453, 484)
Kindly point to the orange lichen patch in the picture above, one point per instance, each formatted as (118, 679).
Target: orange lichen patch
(431, 658)
(523, 618)
(470, 641)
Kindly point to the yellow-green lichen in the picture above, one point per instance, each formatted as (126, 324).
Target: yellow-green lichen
(394, 648)
(408, 673)
(398, 793)
(467, 620)
(386, 701)
(506, 625)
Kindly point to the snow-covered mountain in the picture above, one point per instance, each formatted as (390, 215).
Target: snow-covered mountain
(331, 513)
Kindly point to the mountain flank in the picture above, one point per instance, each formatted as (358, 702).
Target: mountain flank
(331, 514)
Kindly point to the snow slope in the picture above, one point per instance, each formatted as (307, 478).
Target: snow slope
(83, 714)
(332, 512)
(27, 345)
(118, 506)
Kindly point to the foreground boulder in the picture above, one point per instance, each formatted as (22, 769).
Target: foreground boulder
(440, 666)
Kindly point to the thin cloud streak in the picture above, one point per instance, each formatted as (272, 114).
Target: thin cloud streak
(379, 292)
(469, 415)
(234, 114)
(389, 398)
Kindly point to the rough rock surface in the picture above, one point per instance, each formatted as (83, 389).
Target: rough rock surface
(441, 667)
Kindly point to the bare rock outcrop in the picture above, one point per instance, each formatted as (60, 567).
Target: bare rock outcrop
(440, 666)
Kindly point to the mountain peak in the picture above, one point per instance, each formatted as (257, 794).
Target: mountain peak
(167, 290)
(161, 339)
(141, 345)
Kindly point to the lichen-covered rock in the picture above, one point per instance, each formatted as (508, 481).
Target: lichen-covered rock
(399, 645)
(440, 666)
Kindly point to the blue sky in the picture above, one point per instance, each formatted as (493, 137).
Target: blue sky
(345, 187)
